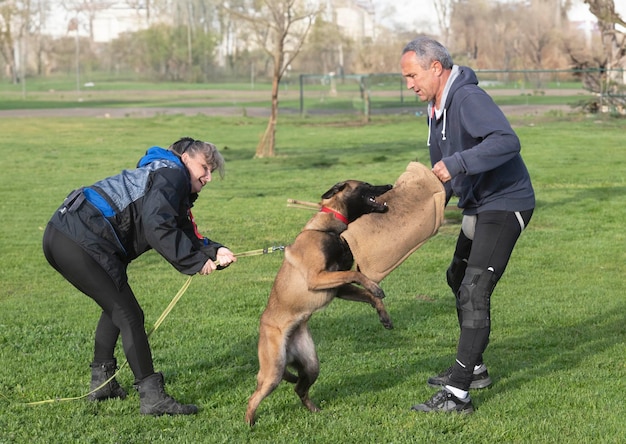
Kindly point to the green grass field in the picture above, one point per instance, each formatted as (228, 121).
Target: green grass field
(558, 342)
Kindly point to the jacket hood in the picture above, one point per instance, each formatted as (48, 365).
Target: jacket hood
(464, 76)
(157, 153)
(167, 157)
(459, 77)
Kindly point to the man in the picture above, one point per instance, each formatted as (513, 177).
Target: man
(476, 155)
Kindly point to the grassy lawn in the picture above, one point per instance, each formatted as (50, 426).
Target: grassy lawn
(559, 337)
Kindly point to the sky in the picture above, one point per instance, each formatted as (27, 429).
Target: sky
(407, 13)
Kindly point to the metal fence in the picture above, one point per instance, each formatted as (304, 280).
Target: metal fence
(369, 94)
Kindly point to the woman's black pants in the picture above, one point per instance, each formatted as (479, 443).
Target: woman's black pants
(121, 312)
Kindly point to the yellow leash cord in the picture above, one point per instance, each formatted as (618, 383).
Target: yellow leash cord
(158, 322)
(156, 325)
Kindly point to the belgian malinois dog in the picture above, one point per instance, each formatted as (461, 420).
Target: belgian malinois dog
(317, 268)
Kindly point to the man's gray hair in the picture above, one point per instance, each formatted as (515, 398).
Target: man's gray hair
(429, 50)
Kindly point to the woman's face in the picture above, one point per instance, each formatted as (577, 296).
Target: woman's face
(199, 170)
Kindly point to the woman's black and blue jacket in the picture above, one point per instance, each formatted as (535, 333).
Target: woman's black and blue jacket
(118, 218)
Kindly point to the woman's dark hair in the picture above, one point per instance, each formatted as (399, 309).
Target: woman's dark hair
(206, 149)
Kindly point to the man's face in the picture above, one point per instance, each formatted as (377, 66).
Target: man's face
(422, 81)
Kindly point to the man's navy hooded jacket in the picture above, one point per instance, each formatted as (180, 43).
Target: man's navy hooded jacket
(475, 141)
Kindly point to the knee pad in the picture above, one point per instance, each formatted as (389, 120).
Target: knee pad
(474, 297)
(455, 273)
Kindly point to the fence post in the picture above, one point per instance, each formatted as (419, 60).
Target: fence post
(301, 95)
(365, 95)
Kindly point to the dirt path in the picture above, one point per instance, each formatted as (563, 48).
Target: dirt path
(133, 112)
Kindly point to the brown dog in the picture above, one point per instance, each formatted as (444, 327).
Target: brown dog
(315, 270)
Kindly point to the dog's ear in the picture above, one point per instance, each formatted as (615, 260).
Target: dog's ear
(334, 190)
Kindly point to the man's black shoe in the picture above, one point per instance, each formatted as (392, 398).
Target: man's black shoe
(444, 401)
(479, 381)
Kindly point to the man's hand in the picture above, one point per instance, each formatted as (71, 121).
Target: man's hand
(441, 172)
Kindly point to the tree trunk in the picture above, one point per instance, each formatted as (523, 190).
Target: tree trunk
(267, 144)
(7, 50)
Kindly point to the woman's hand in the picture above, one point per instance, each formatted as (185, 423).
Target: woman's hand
(208, 268)
(225, 257)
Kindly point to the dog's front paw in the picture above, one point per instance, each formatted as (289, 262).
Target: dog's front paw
(384, 317)
(386, 321)
(378, 292)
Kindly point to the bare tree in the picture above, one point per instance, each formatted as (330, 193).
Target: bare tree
(16, 20)
(602, 71)
(540, 31)
(509, 35)
(467, 22)
(39, 18)
(280, 28)
(322, 52)
(7, 12)
(613, 40)
(444, 11)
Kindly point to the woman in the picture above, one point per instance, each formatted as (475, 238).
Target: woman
(99, 230)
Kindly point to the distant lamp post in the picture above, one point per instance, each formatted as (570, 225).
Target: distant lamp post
(73, 26)
(22, 61)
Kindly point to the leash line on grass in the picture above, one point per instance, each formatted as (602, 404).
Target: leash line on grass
(157, 324)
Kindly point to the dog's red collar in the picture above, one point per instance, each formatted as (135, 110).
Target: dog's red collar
(337, 214)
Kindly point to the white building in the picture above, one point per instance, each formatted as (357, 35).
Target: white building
(109, 23)
(105, 24)
(354, 17)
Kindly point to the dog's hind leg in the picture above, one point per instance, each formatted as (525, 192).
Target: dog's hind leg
(351, 292)
(290, 377)
(272, 364)
(301, 350)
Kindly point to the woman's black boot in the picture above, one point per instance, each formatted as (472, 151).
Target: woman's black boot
(154, 401)
(101, 372)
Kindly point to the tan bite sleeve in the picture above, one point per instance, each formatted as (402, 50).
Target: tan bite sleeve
(380, 242)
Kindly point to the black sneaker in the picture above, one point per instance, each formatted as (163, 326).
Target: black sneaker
(479, 381)
(444, 401)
